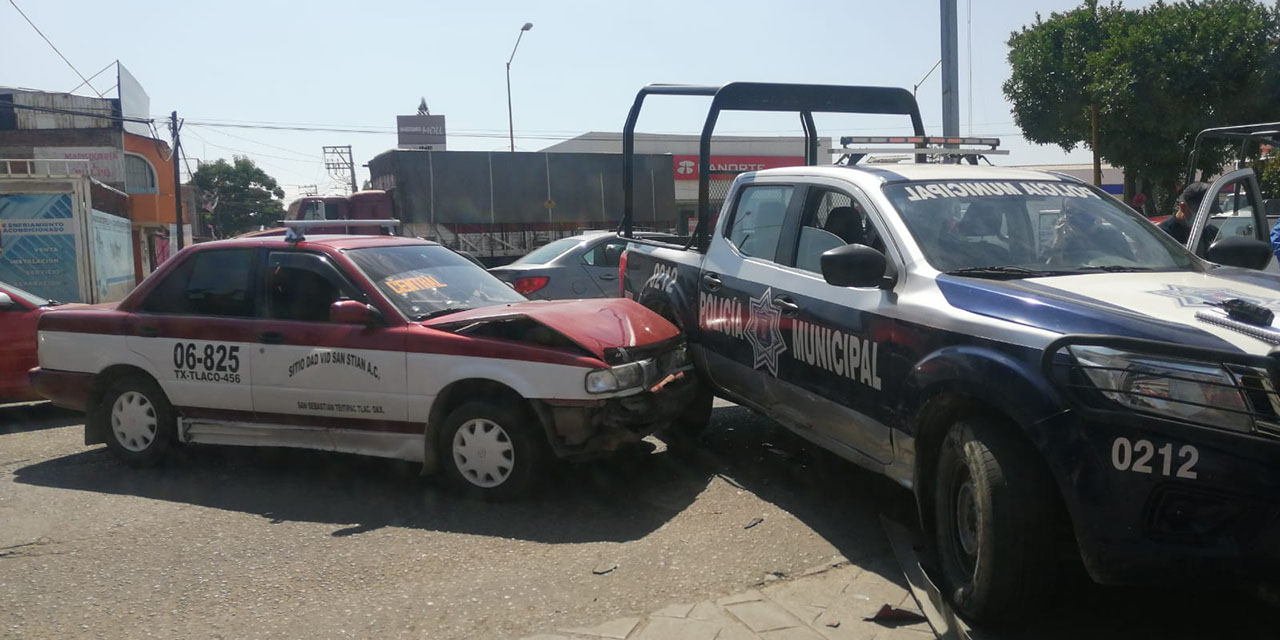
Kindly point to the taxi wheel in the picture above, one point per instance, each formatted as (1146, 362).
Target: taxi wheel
(994, 524)
(491, 450)
(138, 420)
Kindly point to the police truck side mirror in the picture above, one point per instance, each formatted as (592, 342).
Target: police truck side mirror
(354, 312)
(856, 265)
(1239, 251)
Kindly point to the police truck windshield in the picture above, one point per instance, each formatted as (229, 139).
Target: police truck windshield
(424, 281)
(1019, 228)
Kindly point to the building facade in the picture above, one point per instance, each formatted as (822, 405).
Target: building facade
(124, 157)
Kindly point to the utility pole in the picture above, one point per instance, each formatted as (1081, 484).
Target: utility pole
(950, 70)
(338, 161)
(177, 183)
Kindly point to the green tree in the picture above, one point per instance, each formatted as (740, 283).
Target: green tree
(1176, 69)
(1154, 76)
(1051, 86)
(240, 196)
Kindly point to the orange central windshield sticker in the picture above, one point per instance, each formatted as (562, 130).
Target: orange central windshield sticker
(417, 283)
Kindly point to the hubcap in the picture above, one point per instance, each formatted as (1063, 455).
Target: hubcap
(483, 453)
(133, 419)
(967, 519)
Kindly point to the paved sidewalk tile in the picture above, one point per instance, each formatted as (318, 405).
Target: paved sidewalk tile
(705, 610)
(679, 629)
(745, 596)
(763, 616)
(794, 633)
(674, 611)
(614, 629)
(831, 604)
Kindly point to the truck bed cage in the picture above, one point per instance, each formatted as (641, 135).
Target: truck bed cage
(804, 99)
(1263, 132)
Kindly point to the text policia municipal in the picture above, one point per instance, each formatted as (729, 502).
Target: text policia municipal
(841, 353)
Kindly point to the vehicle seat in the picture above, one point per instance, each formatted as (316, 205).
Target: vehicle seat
(847, 224)
(977, 236)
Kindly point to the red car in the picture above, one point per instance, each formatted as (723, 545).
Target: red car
(376, 345)
(19, 312)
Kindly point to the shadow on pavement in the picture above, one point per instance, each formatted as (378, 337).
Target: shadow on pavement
(34, 416)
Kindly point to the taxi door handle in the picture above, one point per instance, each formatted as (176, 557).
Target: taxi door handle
(271, 337)
(711, 282)
(608, 276)
(148, 331)
(787, 305)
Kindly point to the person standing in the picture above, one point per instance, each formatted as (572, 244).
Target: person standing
(1178, 225)
(1140, 203)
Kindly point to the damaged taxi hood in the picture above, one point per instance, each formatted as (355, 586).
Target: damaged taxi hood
(594, 325)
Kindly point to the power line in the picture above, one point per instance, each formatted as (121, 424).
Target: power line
(227, 133)
(50, 43)
(91, 113)
(251, 153)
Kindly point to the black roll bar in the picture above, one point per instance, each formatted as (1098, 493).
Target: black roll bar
(1266, 132)
(805, 99)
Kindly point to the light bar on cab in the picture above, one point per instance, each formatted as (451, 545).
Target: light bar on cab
(926, 140)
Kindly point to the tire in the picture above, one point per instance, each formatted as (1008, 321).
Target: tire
(477, 434)
(995, 528)
(137, 421)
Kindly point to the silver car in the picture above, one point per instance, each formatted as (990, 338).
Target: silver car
(581, 266)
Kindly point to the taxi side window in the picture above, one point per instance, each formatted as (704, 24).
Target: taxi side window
(302, 286)
(210, 283)
(757, 220)
(605, 254)
(832, 219)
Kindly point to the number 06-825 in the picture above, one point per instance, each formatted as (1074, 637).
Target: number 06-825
(1138, 457)
(219, 358)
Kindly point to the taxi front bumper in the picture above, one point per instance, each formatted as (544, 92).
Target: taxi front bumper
(583, 429)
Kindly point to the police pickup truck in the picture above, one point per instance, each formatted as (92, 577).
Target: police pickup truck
(1052, 375)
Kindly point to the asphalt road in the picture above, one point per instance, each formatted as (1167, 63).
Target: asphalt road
(240, 543)
(243, 543)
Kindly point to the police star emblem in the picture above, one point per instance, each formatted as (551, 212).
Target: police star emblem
(763, 332)
(1200, 296)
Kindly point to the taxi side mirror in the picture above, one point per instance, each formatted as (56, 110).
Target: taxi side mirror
(354, 312)
(6, 302)
(857, 265)
(1239, 251)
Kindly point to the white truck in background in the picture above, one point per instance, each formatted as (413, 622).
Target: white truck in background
(54, 241)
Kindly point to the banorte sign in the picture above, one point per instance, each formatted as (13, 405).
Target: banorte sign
(686, 167)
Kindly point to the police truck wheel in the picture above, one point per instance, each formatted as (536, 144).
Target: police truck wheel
(994, 524)
(138, 421)
(491, 451)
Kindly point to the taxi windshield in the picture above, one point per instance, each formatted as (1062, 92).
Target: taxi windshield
(425, 281)
(1028, 228)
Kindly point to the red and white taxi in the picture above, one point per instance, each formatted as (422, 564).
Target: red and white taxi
(376, 345)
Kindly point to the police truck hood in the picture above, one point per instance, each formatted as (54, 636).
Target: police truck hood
(1151, 305)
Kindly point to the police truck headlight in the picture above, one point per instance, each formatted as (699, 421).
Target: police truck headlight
(1197, 392)
(620, 378)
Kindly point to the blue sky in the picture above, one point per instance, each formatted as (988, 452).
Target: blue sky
(360, 64)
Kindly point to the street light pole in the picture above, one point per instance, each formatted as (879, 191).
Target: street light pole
(511, 127)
